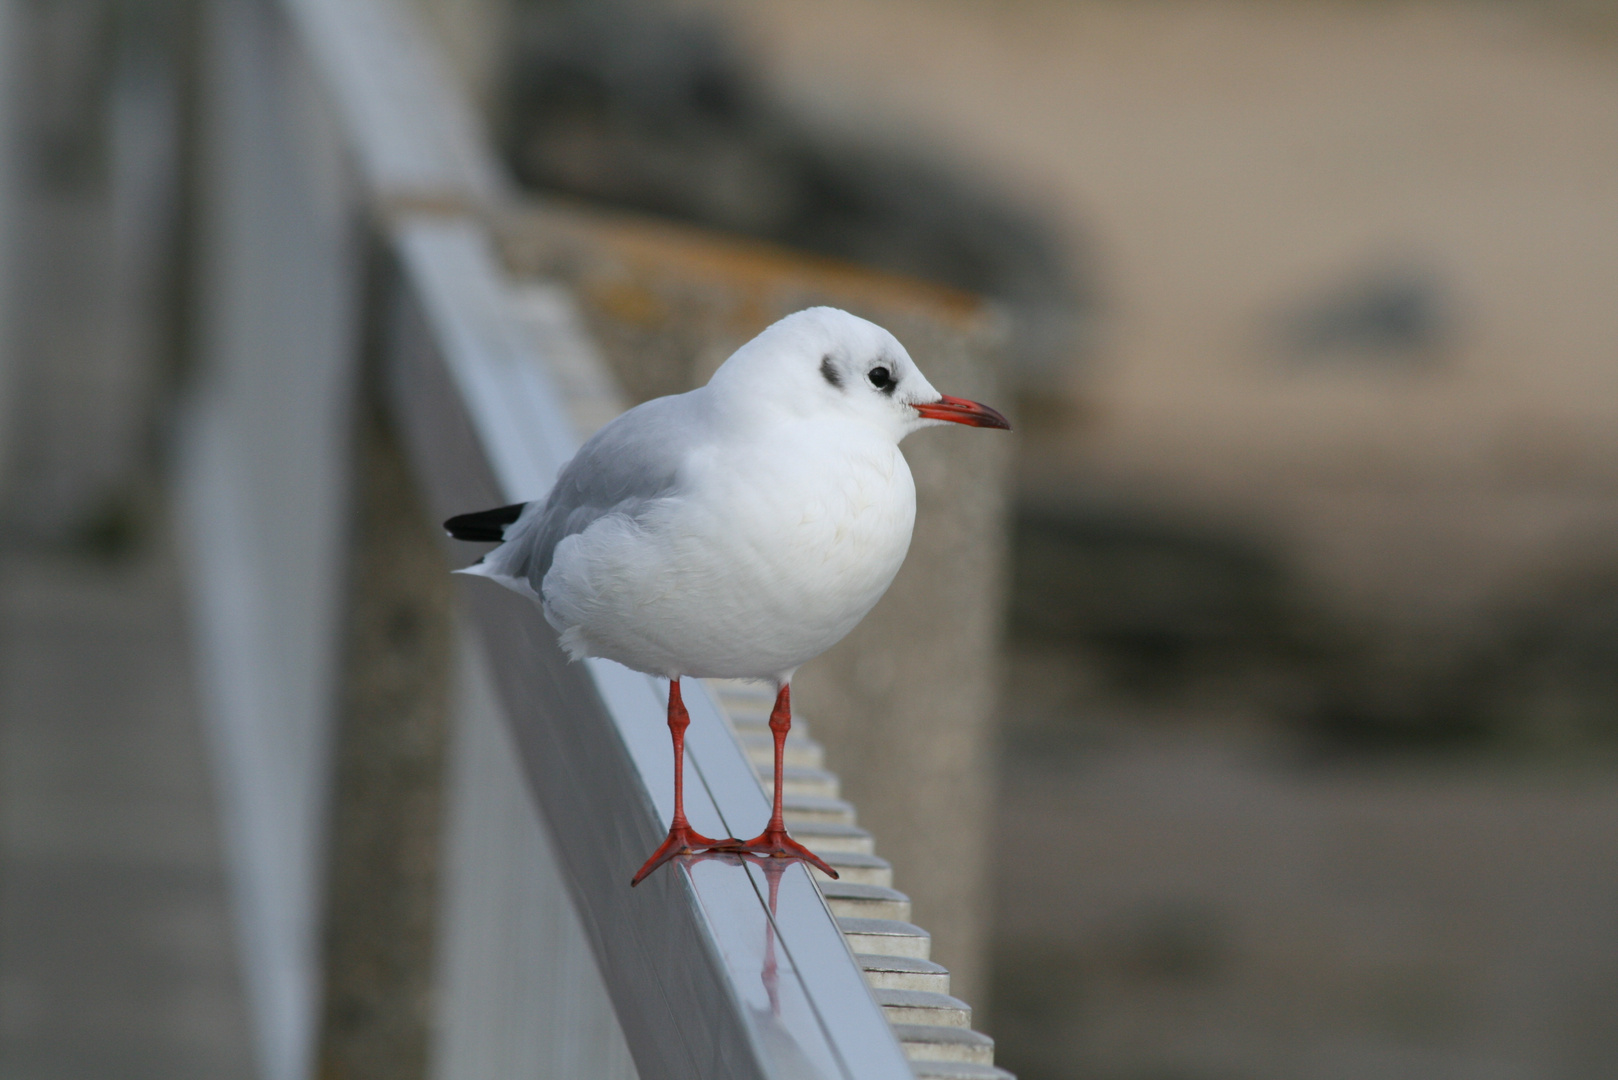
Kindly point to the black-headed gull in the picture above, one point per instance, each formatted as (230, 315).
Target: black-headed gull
(735, 531)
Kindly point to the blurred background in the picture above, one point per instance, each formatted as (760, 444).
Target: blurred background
(1308, 719)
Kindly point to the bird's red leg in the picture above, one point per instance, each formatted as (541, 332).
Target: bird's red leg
(774, 839)
(682, 838)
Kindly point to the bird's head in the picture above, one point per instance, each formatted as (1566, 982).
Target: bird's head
(826, 362)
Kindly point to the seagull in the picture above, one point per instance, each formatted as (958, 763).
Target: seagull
(735, 531)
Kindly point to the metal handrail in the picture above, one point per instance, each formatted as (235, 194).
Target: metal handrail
(714, 970)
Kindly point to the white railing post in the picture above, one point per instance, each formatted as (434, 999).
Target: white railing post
(264, 482)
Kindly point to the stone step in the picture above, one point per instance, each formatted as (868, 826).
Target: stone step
(752, 714)
(886, 937)
(805, 808)
(924, 1007)
(851, 899)
(761, 751)
(815, 783)
(823, 836)
(759, 724)
(903, 973)
(736, 693)
(935, 1042)
(933, 1027)
(957, 1070)
(856, 868)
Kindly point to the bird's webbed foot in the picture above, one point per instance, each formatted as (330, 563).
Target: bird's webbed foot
(775, 843)
(683, 840)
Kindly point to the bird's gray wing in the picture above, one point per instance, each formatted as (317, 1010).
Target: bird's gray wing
(634, 459)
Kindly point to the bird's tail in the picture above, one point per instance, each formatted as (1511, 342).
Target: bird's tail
(484, 526)
(507, 564)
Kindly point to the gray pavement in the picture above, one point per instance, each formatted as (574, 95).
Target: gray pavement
(116, 947)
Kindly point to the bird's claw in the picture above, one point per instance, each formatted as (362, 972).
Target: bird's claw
(682, 840)
(775, 843)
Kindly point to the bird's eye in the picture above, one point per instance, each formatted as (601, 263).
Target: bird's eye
(881, 378)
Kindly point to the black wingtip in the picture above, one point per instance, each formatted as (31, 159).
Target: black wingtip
(484, 526)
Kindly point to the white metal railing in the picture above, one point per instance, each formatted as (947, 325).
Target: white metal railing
(263, 484)
(332, 132)
(696, 962)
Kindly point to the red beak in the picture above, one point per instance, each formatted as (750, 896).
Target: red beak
(961, 411)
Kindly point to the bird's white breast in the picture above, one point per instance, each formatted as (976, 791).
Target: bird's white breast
(769, 554)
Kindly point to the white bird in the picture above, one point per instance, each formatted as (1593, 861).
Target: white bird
(734, 531)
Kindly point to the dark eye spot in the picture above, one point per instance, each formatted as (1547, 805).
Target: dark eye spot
(882, 379)
(829, 372)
